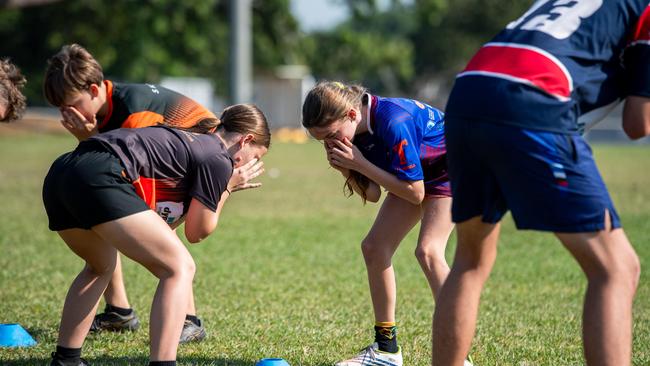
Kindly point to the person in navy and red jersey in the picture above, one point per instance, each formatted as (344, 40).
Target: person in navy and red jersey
(96, 200)
(89, 104)
(397, 144)
(513, 124)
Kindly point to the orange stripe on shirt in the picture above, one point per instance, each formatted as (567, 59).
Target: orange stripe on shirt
(142, 119)
(109, 100)
(146, 189)
(186, 113)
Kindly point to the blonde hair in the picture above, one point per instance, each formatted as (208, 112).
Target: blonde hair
(328, 102)
(238, 118)
(11, 83)
(71, 71)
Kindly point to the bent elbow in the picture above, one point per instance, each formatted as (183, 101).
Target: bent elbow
(194, 238)
(635, 133)
(374, 198)
(417, 197)
(197, 235)
(636, 117)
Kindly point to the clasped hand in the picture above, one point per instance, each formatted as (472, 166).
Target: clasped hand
(344, 155)
(242, 176)
(77, 123)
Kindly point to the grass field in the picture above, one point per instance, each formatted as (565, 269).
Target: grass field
(283, 275)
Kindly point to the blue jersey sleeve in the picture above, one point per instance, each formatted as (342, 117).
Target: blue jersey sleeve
(396, 127)
(636, 58)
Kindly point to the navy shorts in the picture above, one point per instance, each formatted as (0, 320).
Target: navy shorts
(548, 180)
(87, 187)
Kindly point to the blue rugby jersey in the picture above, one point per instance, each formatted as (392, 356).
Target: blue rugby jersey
(562, 65)
(402, 132)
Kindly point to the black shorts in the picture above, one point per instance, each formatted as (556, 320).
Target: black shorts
(87, 187)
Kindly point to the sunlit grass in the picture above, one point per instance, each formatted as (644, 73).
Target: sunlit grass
(283, 275)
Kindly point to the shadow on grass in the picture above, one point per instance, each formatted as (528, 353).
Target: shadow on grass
(122, 361)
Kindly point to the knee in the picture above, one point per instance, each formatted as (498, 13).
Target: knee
(624, 272)
(183, 268)
(373, 251)
(635, 271)
(428, 255)
(101, 269)
(187, 267)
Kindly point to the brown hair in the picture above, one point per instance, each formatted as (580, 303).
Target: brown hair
(330, 101)
(11, 82)
(247, 118)
(238, 118)
(71, 71)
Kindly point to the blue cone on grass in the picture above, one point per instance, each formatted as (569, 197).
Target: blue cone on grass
(13, 335)
(272, 362)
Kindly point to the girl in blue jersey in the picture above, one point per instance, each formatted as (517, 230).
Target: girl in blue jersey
(92, 201)
(397, 144)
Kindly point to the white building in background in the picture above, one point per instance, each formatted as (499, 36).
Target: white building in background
(280, 94)
(199, 89)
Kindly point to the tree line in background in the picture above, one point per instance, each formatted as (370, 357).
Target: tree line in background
(405, 48)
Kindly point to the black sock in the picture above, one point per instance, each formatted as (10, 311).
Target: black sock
(386, 338)
(68, 353)
(122, 311)
(194, 319)
(162, 363)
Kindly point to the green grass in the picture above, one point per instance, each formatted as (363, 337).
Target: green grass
(283, 275)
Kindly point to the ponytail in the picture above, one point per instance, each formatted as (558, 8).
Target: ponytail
(239, 118)
(208, 125)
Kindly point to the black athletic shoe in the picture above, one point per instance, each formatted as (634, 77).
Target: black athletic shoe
(57, 361)
(192, 332)
(114, 322)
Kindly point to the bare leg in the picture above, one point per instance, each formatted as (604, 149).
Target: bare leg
(191, 308)
(612, 269)
(148, 240)
(454, 320)
(86, 289)
(115, 293)
(434, 233)
(394, 220)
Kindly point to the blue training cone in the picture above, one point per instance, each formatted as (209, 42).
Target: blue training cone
(13, 335)
(272, 362)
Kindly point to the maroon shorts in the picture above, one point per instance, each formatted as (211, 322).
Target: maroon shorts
(434, 167)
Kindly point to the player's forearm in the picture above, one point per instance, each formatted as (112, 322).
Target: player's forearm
(410, 191)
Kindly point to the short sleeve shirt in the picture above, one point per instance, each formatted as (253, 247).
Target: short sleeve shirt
(169, 167)
(142, 105)
(402, 132)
